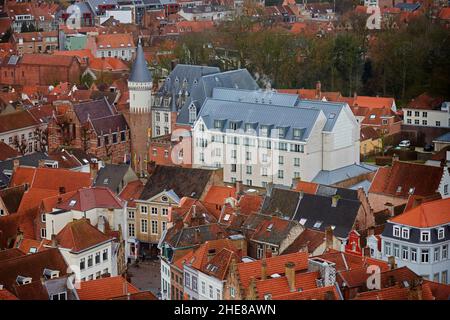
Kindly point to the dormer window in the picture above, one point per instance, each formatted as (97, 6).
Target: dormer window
(399, 189)
(264, 131)
(441, 233)
(297, 133)
(396, 231)
(217, 124)
(192, 113)
(405, 233)
(280, 132)
(233, 126)
(425, 235)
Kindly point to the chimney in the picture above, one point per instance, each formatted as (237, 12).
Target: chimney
(211, 254)
(391, 263)
(194, 211)
(329, 237)
(268, 253)
(41, 163)
(93, 169)
(239, 190)
(62, 190)
(197, 235)
(101, 224)
(318, 89)
(355, 95)
(290, 275)
(335, 200)
(264, 269)
(16, 164)
(395, 157)
(415, 290)
(54, 241)
(390, 208)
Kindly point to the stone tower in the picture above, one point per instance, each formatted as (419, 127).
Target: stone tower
(140, 84)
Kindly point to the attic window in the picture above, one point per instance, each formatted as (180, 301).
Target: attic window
(268, 296)
(269, 228)
(32, 250)
(318, 224)
(226, 218)
(399, 189)
(332, 116)
(372, 116)
(411, 190)
(105, 181)
(72, 203)
(302, 221)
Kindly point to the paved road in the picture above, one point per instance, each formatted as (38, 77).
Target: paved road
(147, 276)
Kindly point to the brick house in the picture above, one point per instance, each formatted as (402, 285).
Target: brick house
(35, 42)
(94, 126)
(39, 69)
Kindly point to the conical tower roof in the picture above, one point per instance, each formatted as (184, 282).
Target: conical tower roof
(140, 72)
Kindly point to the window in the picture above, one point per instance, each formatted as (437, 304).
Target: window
(396, 251)
(437, 254)
(123, 136)
(233, 168)
(425, 236)
(90, 260)
(424, 122)
(163, 226)
(97, 274)
(417, 113)
(444, 252)
(405, 253)
(232, 292)
(203, 287)
(264, 171)
(144, 209)
(249, 182)
(424, 114)
(438, 123)
(416, 121)
(248, 155)
(192, 113)
(131, 230)
(409, 113)
(59, 296)
(194, 283)
(43, 233)
(405, 233)
(105, 254)
(210, 291)
(97, 257)
(233, 126)
(280, 160)
(130, 214)
(187, 280)
(217, 294)
(297, 133)
(444, 277)
(249, 169)
(157, 116)
(114, 138)
(154, 227)
(105, 271)
(296, 162)
(280, 174)
(144, 226)
(396, 231)
(154, 210)
(165, 211)
(441, 233)
(408, 121)
(436, 277)
(82, 263)
(414, 254)
(424, 256)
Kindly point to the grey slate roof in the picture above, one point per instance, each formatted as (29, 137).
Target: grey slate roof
(95, 109)
(31, 160)
(330, 177)
(111, 176)
(444, 138)
(330, 109)
(203, 88)
(259, 114)
(187, 74)
(113, 123)
(256, 96)
(188, 182)
(365, 184)
(414, 234)
(139, 71)
(316, 208)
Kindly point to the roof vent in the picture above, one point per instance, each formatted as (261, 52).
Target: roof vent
(23, 280)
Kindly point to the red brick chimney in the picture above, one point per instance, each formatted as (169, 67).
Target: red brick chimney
(318, 89)
(290, 275)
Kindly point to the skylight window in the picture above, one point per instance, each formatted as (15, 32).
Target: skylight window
(318, 224)
(411, 190)
(399, 189)
(302, 221)
(269, 228)
(72, 203)
(226, 218)
(372, 116)
(105, 181)
(332, 116)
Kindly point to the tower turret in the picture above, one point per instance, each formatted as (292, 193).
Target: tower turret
(140, 84)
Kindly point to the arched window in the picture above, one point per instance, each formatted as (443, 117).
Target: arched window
(192, 113)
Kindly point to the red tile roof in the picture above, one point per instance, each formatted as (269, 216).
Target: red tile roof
(309, 238)
(425, 102)
(6, 295)
(394, 293)
(373, 102)
(131, 192)
(444, 14)
(51, 179)
(17, 120)
(46, 60)
(249, 204)
(105, 288)
(218, 194)
(7, 152)
(25, 245)
(307, 187)
(115, 40)
(439, 290)
(33, 197)
(313, 294)
(275, 264)
(348, 261)
(10, 254)
(108, 64)
(199, 258)
(402, 177)
(428, 214)
(279, 286)
(86, 199)
(80, 235)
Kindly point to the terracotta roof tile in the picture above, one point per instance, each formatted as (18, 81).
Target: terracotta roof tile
(403, 177)
(86, 199)
(10, 254)
(131, 192)
(394, 293)
(309, 238)
(26, 245)
(17, 120)
(115, 40)
(46, 60)
(79, 235)
(105, 288)
(307, 187)
(279, 286)
(428, 214)
(312, 294)
(218, 194)
(7, 152)
(6, 295)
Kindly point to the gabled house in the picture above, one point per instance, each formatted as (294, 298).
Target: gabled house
(115, 177)
(392, 186)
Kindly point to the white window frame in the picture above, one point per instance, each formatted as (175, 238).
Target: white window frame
(441, 233)
(424, 233)
(405, 233)
(396, 231)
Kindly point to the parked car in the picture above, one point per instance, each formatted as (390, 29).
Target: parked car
(428, 147)
(404, 144)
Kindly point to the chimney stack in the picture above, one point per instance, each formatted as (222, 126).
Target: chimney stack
(41, 163)
(264, 269)
(318, 89)
(238, 188)
(390, 208)
(391, 263)
(54, 241)
(268, 253)
(16, 164)
(329, 237)
(93, 169)
(335, 200)
(415, 290)
(290, 275)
